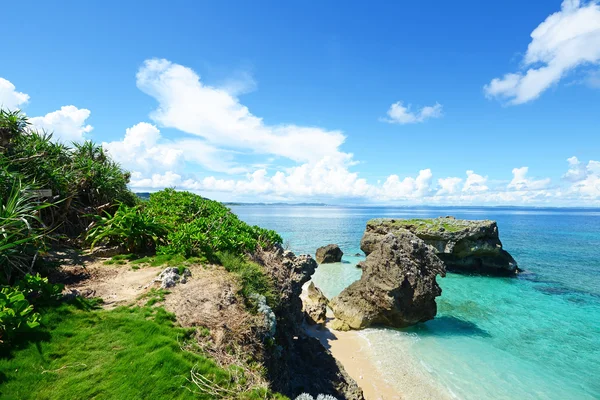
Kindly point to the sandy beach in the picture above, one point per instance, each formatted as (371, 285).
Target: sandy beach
(352, 351)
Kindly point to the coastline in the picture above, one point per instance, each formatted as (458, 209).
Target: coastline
(351, 349)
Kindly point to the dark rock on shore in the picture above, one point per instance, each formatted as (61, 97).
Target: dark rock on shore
(463, 245)
(315, 305)
(397, 288)
(300, 363)
(329, 254)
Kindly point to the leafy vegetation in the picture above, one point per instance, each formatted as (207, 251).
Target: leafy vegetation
(21, 230)
(17, 302)
(251, 276)
(130, 352)
(181, 223)
(126, 353)
(16, 314)
(198, 226)
(131, 226)
(83, 179)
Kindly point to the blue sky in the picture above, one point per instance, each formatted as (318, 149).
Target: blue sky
(273, 101)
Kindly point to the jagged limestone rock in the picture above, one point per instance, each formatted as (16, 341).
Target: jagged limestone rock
(397, 288)
(315, 305)
(169, 277)
(463, 245)
(329, 254)
(302, 364)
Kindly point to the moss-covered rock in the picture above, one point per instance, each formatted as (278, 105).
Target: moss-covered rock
(463, 245)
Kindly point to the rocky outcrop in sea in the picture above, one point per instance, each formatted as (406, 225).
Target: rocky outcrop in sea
(329, 254)
(463, 245)
(397, 288)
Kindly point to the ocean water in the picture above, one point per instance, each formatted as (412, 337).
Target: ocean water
(535, 336)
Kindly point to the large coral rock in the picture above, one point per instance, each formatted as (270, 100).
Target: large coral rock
(463, 245)
(329, 254)
(397, 288)
(315, 305)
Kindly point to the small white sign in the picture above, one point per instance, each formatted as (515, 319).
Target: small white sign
(42, 193)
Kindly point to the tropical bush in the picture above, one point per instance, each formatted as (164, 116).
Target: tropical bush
(21, 230)
(82, 178)
(16, 313)
(198, 226)
(17, 304)
(131, 226)
(38, 290)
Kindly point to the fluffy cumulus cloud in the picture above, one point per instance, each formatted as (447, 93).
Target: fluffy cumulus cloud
(400, 114)
(448, 186)
(217, 116)
(566, 40)
(521, 182)
(10, 98)
(143, 150)
(67, 124)
(475, 183)
(408, 188)
(584, 179)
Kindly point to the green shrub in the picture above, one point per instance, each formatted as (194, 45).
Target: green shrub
(131, 226)
(198, 226)
(21, 231)
(38, 290)
(16, 313)
(83, 179)
(17, 304)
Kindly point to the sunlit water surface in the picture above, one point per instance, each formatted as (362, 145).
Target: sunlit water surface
(536, 336)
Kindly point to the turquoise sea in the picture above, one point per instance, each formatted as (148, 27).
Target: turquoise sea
(536, 336)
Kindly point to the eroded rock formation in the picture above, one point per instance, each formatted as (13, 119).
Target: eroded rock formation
(397, 288)
(329, 254)
(300, 363)
(463, 245)
(315, 305)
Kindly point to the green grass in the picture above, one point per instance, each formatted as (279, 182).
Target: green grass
(169, 260)
(251, 276)
(126, 353)
(154, 296)
(424, 225)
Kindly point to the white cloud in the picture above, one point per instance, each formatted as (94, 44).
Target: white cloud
(9, 98)
(67, 124)
(143, 149)
(576, 170)
(327, 177)
(475, 183)
(449, 185)
(521, 182)
(409, 187)
(400, 114)
(585, 178)
(216, 115)
(567, 39)
(156, 181)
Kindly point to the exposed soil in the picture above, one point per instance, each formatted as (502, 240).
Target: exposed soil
(115, 284)
(209, 299)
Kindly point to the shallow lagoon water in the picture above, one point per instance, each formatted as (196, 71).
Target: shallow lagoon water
(536, 336)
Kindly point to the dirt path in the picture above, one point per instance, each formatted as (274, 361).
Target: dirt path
(115, 284)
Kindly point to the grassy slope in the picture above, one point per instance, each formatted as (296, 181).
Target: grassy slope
(127, 353)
